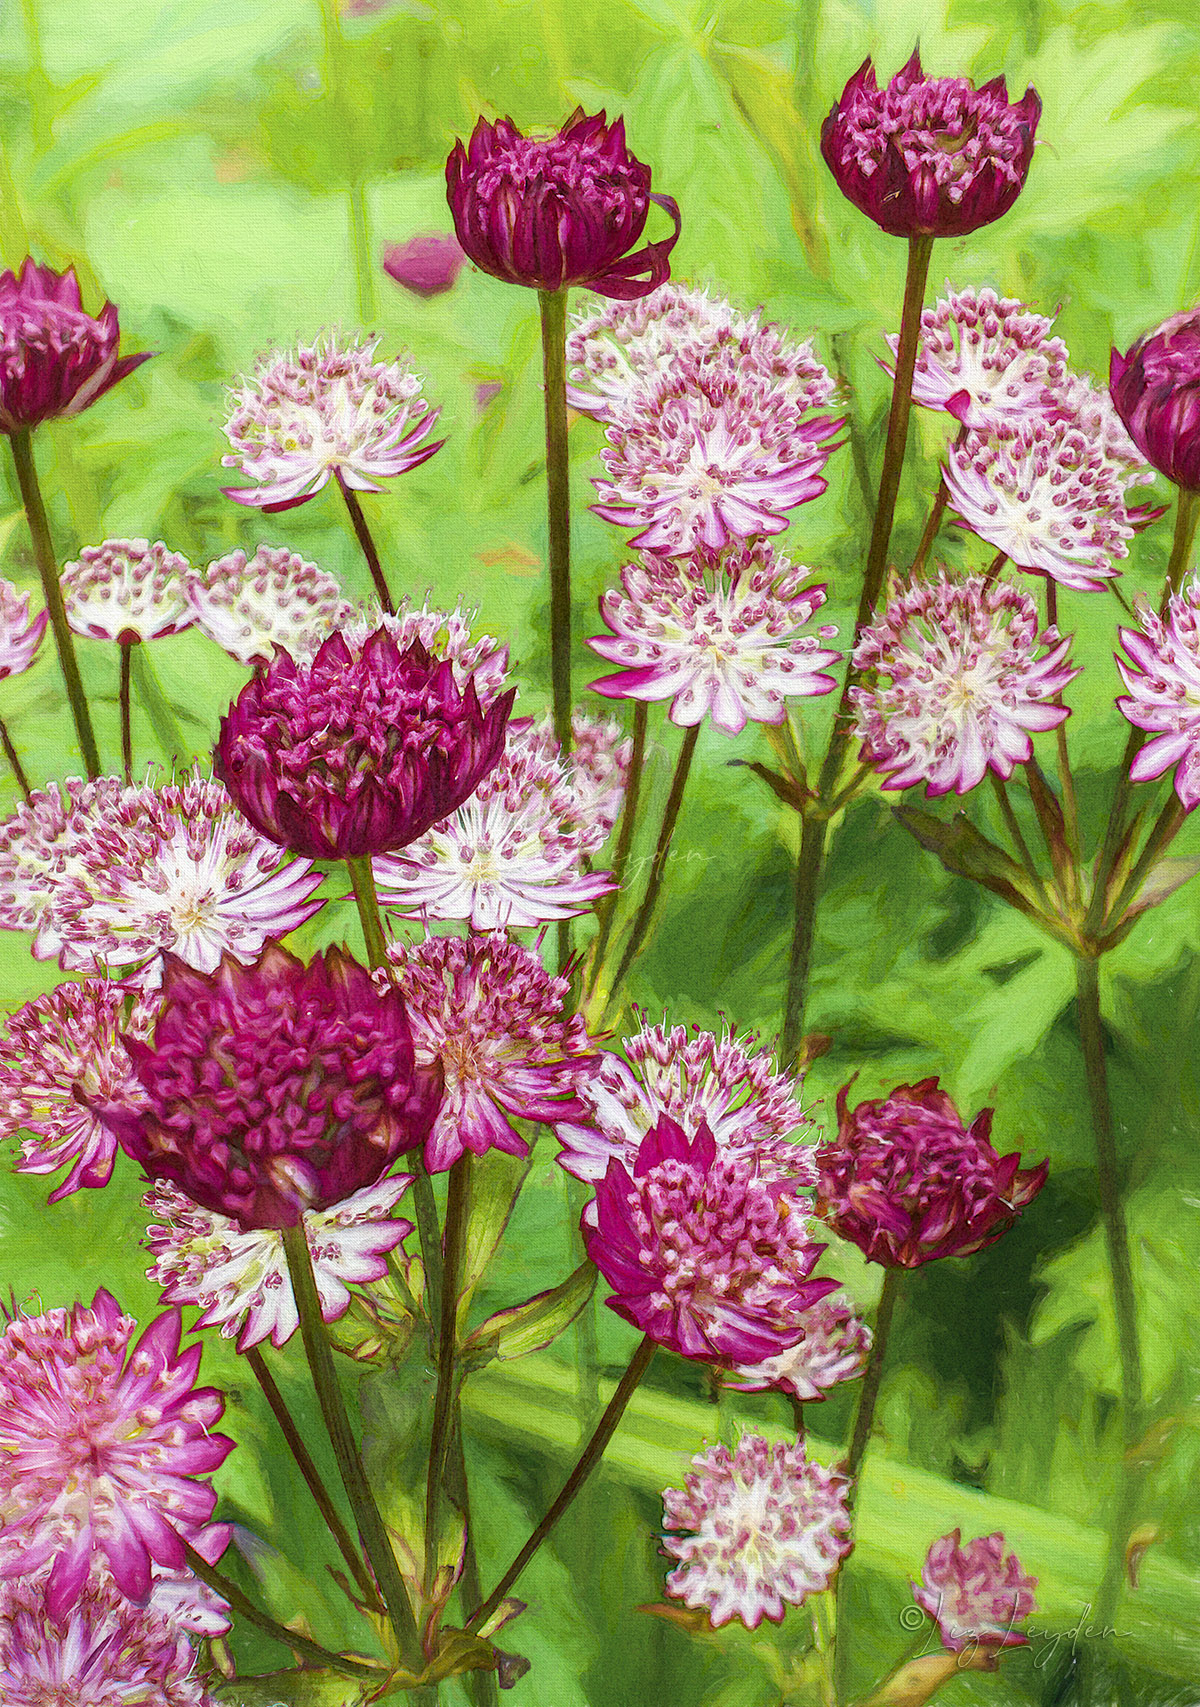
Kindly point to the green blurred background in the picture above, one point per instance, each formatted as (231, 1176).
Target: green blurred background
(228, 174)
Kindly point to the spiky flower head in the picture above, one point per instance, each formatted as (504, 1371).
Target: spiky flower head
(105, 1447)
(278, 1088)
(1162, 678)
(126, 590)
(55, 359)
(560, 210)
(1156, 390)
(445, 634)
(61, 1054)
(239, 1279)
(427, 264)
(755, 1529)
(906, 1182)
(358, 752)
(931, 155)
(962, 677)
(498, 1022)
(976, 1594)
(328, 409)
(984, 358)
(702, 1252)
(19, 636)
(721, 635)
(834, 1349)
(249, 606)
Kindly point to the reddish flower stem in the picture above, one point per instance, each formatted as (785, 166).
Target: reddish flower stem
(629, 808)
(10, 753)
(457, 1200)
(367, 545)
(126, 651)
(645, 912)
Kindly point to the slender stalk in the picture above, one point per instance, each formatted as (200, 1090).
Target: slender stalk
(1166, 827)
(41, 94)
(553, 305)
(590, 1457)
(312, 1477)
(157, 706)
(645, 912)
(629, 807)
(360, 242)
(869, 1394)
(21, 443)
(1067, 781)
(483, 1686)
(10, 753)
(126, 721)
(376, 1544)
(362, 534)
(931, 529)
(362, 881)
(349, 146)
(994, 567)
(813, 832)
(447, 1371)
(824, 1647)
(1000, 789)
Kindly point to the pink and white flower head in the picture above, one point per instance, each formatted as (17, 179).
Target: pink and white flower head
(963, 677)
(126, 590)
(249, 606)
(445, 634)
(239, 1279)
(499, 1024)
(43, 844)
(513, 854)
(1078, 400)
(984, 358)
(1047, 495)
(695, 1077)
(719, 635)
(1162, 678)
(325, 409)
(710, 456)
(704, 1254)
(620, 352)
(63, 1053)
(105, 1449)
(834, 1349)
(755, 1529)
(599, 768)
(19, 637)
(976, 1594)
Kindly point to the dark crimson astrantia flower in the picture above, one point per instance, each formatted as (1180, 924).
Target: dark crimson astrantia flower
(275, 1089)
(1155, 388)
(358, 752)
(906, 1182)
(929, 155)
(55, 358)
(553, 211)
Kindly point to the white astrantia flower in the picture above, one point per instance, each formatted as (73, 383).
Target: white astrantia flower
(126, 590)
(249, 606)
(833, 1349)
(984, 358)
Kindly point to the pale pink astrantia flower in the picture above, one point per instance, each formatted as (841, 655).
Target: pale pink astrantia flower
(1162, 677)
(984, 358)
(834, 1349)
(127, 590)
(1079, 401)
(963, 678)
(721, 635)
(755, 1529)
(105, 1447)
(61, 1056)
(500, 1025)
(325, 409)
(239, 1279)
(725, 1082)
(19, 637)
(976, 1594)
(249, 606)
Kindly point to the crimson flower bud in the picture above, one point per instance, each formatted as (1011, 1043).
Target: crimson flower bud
(1156, 391)
(55, 359)
(427, 264)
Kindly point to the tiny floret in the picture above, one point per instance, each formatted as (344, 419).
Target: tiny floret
(1162, 679)
(126, 590)
(977, 1594)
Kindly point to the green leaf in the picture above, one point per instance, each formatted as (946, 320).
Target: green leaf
(965, 851)
(532, 1326)
(291, 1689)
(496, 1181)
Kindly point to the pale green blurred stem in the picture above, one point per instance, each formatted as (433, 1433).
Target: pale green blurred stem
(358, 212)
(125, 650)
(629, 809)
(553, 306)
(41, 102)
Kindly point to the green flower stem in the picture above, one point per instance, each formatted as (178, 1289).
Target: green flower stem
(629, 808)
(482, 1685)
(1000, 790)
(319, 1351)
(590, 1457)
(931, 530)
(362, 534)
(312, 1477)
(1066, 780)
(10, 753)
(126, 651)
(813, 831)
(21, 443)
(348, 142)
(457, 1198)
(645, 912)
(157, 706)
(553, 305)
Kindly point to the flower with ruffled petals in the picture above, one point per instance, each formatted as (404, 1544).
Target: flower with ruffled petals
(325, 410)
(358, 752)
(703, 1253)
(55, 359)
(1045, 494)
(487, 1009)
(1163, 681)
(976, 1594)
(906, 1182)
(19, 637)
(756, 1529)
(984, 358)
(445, 635)
(104, 1448)
(427, 264)
(834, 1349)
(126, 590)
(560, 210)
(966, 677)
(931, 155)
(249, 606)
(239, 1279)
(275, 1089)
(513, 854)
(61, 1054)
(695, 1077)
(718, 635)
(1156, 390)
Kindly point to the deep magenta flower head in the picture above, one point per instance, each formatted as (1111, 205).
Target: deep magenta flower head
(55, 358)
(702, 1252)
(906, 1182)
(1162, 677)
(275, 1089)
(1155, 388)
(19, 637)
(558, 210)
(976, 1594)
(358, 752)
(104, 1449)
(427, 264)
(929, 155)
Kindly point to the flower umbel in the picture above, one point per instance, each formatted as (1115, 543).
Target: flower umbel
(1162, 677)
(126, 590)
(249, 606)
(984, 358)
(976, 1594)
(834, 1349)
(55, 359)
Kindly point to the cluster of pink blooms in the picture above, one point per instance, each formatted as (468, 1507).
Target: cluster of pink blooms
(977, 1594)
(126, 590)
(833, 1349)
(249, 606)
(1162, 681)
